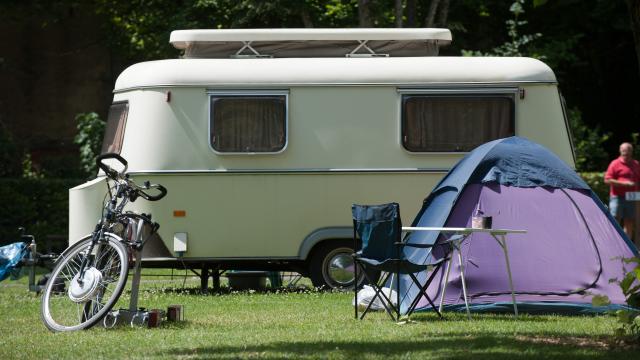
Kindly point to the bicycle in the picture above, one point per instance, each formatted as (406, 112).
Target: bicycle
(94, 270)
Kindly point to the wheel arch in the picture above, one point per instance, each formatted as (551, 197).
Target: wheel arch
(321, 235)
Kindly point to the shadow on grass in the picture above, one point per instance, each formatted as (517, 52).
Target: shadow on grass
(429, 316)
(441, 347)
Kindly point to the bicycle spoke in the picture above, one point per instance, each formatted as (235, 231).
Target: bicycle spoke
(78, 310)
(66, 277)
(75, 264)
(109, 281)
(71, 273)
(103, 255)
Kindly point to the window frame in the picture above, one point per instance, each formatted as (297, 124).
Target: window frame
(248, 93)
(120, 141)
(506, 92)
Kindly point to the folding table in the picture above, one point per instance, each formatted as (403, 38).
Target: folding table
(500, 235)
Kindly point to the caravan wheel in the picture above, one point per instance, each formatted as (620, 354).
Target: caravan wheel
(332, 266)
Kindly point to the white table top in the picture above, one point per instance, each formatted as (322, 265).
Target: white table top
(460, 230)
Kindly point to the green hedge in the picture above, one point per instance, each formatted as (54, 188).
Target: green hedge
(40, 206)
(596, 181)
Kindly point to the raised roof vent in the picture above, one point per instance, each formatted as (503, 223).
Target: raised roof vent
(255, 43)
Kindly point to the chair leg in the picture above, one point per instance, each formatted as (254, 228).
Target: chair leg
(355, 271)
(379, 294)
(397, 292)
(423, 291)
(355, 288)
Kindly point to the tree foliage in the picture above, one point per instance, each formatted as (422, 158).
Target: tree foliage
(517, 43)
(588, 143)
(628, 319)
(89, 139)
(10, 154)
(634, 16)
(142, 27)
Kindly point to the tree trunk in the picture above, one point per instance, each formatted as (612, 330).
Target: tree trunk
(398, 13)
(444, 13)
(306, 18)
(634, 13)
(431, 15)
(411, 13)
(364, 13)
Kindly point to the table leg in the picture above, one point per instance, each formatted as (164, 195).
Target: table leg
(446, 281)
(503, 245)
(464, 284)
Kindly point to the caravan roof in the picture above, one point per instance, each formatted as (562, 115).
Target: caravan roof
(333, 57)
(181, 38)
(398, 71)
(225, 43)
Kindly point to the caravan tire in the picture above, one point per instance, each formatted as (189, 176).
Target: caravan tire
(331, 266)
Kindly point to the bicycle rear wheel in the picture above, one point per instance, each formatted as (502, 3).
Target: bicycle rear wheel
(70, 303)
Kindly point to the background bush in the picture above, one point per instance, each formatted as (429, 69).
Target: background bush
(37, 197)
(41, 205)
(596, 181)
(89, 140)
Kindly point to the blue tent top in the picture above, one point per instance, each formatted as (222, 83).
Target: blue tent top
(512, 161)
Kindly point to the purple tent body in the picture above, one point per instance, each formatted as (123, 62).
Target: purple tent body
(571, 250)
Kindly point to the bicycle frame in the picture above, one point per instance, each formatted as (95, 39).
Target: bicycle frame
(103, 258)
(111, 209)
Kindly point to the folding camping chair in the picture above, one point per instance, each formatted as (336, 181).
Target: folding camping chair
(380, 230)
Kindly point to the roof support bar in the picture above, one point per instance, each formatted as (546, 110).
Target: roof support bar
(363, 45)
(247, 45)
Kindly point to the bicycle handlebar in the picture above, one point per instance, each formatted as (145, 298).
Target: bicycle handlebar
(115, 175)
(110, 172)
(144, 195)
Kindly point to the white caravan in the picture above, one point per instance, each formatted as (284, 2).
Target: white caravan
(265, 138)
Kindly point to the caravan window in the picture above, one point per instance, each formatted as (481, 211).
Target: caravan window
(114, 132)
(455, 123)
(251, 123)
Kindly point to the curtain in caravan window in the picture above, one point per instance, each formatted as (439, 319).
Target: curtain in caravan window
(114, 132)
(248, 123)
(455, 123)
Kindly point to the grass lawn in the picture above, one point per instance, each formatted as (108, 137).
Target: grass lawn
(301, 324)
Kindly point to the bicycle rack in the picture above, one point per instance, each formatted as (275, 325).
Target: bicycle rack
(33, 259)
(132, 316)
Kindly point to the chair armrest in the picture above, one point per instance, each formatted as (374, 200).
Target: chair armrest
(421, 246)
(454, 238)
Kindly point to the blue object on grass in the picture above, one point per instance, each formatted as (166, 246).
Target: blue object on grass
(10, 256)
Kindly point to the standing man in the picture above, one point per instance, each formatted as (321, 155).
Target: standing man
(623, 175)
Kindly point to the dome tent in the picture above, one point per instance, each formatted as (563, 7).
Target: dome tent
(571, 250)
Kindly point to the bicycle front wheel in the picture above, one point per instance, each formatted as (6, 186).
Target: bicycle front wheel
(73, 301)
